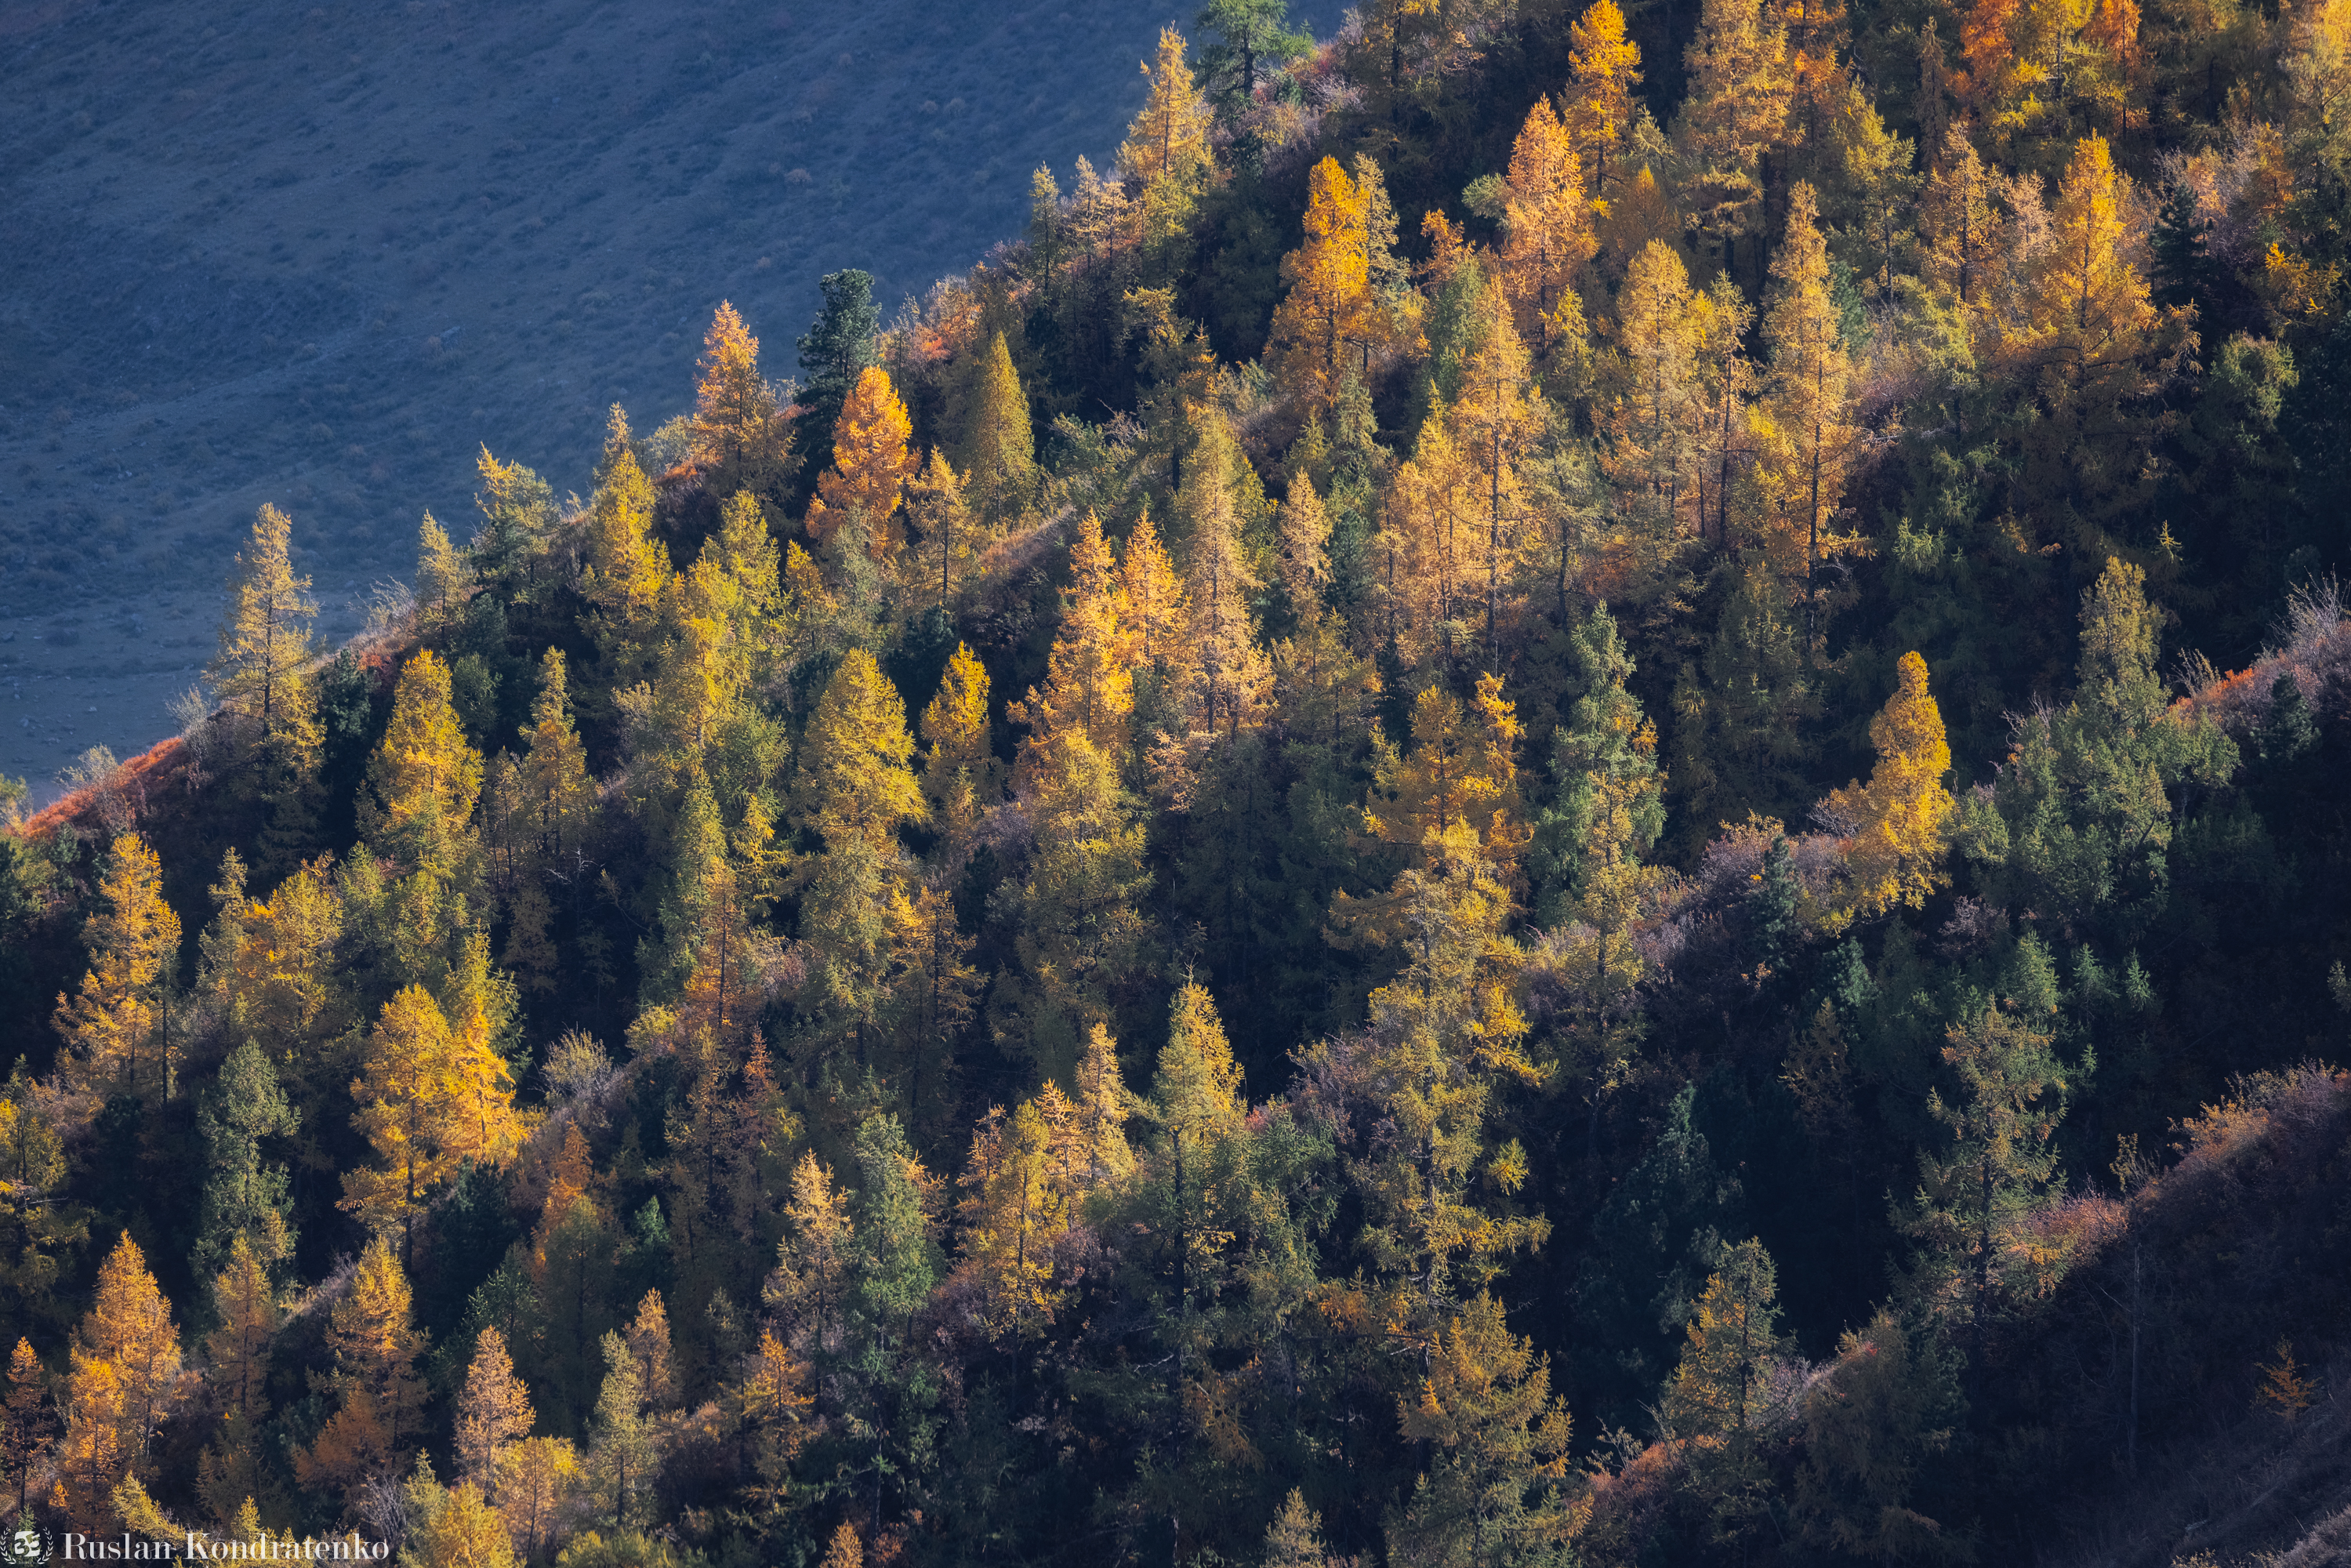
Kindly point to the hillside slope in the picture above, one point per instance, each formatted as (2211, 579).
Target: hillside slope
(313, 254)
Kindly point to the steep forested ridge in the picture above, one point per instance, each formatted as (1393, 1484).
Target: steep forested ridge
(1570, 791)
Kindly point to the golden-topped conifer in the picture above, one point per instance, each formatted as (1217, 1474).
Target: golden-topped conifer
(113, 1026)
(1327, 316)
(871, 466)
(1902, 817)
(738, 428)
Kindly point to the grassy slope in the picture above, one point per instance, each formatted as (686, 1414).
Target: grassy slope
(313, 255)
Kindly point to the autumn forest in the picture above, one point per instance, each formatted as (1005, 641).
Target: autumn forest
(1568, 791)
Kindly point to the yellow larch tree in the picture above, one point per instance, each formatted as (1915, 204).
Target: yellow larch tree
(1195, 1103)
(1294, 1539)
(89, 1460)
(1302, 535)
(813, 1260)
(1392, 300)
(238, 1350)
(1013, 1212)
(1328, 312)
(1426, 530)
(1723, 1383)
(871, 466)
(558, 796)
(424, 779)
(399, 1076)
(1195, 1089)
(372, 1336)
(961, 778)
(38, 1225)
(1100, 213)
(1546, 237)
(113, 1026)
(998, 460)
(855, 778)
(648, 1339)
(1166, 148)
(1723, 396)
(1603, 67)
(1651, 413)
(1639, 212)
(567, 1183)
(1439, 1038)
(1496, 422)
(942, 557)
(1088, 683)
(738, 428)
(444, 582)
(265, 639)
(1153, 609)
(483, 1126)
(463, 1531)
(947, 539)
(30, 1421)
(1499, 1445)
(2098, 341)
(237, 1379)
(1817, 33)
(1808, 394)
(846, 1549)
(1225, 671)
(269, 966)
(1964, 243)
(126, 1378)
(627, 568)
(1901, 819)
(776, 1409)
(1740, 87)
(1093, 1148)
(430, 1098)
(536, 1477)
(724, 620)
(492, 1411)
(735, 584)
(854, 786)
(812, 619)
(264, 670)
(1462, 768)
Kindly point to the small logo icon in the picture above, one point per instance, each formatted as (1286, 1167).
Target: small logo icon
(27, 1546)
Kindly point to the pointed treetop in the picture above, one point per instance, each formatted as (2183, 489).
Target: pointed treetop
(1196, 1091)
(954, 724)
(870, 465)
(999, 444)
(265, 643)
(854, 777)
(737, 423)
(1604, 67)
(1168, 142)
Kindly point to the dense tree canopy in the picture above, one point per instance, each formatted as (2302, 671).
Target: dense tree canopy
(1490, 818)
